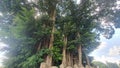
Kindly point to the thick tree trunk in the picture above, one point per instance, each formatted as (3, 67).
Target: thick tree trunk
(49, 57)
(69, 59)
(43, 65)
(63, 65)
(79, 53)
(52, 16)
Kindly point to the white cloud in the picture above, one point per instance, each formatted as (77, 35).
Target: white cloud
(98, 49)
(114, 51)
(2, 57)
(78, 1)
(1, 14)
(105, 59)
(2, 54)
(2, 45)
(102, 45)
(118, 2)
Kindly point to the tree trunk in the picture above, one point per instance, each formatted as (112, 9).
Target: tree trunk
(52, 16)
(39, 47)
(80, 55)
(64, 52)
(49, 57)
(79, 52)
(69, 59)
(87, 59)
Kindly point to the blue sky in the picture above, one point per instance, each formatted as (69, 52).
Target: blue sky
(109, 49)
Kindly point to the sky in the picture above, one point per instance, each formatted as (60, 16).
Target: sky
(109, 49)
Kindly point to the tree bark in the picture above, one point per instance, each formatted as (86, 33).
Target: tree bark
(79, 52)
(80, 55)
(87, 59)
(51, 5)
(52, 15)
(69, 59)
(64, 52)
(49, 57)
(39, 46)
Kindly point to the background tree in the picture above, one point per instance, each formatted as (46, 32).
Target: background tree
(107, 65)
(100, 64)
(112, 65)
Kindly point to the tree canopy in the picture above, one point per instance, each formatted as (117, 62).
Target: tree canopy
(52, 32)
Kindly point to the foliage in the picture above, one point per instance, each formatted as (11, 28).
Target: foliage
(107, 65)
(28, 36)
(100, 64)
(112, 65)
(33, 60)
